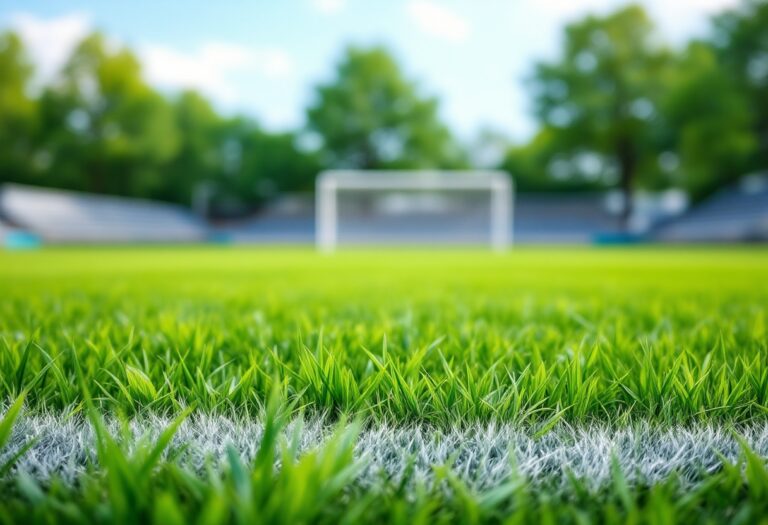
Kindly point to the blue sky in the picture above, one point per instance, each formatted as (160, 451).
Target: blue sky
(263, 57)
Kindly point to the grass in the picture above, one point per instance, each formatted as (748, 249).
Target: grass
(540, 339)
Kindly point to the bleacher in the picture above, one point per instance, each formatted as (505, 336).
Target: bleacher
(735, 214)
(538, 218)
(58, 216)
(5, 229)
(563, 218)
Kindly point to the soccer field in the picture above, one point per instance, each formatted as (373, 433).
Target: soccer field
(278, 385)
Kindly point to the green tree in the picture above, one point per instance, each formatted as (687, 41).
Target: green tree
(740, 38)
(539, 166)
(275, 163)
(709, 121)
(108, 131)
(232, 165)
(17, 112)
(256, 165)
(197, 160)
(370, 116)
(599, 100)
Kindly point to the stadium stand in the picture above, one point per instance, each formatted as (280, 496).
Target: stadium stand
(538, 218)
(563, 218)
(59, 216)
(5, 229)
(289, 219)
(735, 214)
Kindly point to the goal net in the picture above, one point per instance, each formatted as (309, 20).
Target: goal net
(414, 207)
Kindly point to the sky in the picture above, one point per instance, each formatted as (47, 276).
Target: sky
(263, 58)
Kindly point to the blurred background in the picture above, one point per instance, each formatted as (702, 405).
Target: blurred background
(205, 121)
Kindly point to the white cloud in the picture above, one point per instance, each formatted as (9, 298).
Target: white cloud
(681, 19)
(274, 63)
(709, 6)
(50, 41)
(329, 6)
(437, 20)
(678, 20)
(212, 66)
(662, 10)
(562, 9)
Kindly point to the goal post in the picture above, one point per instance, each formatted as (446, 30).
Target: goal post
(334, 184)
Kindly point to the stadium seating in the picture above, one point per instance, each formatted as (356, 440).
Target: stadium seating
(736, 214)
(538, 218)
(71, 217)
(542, 218)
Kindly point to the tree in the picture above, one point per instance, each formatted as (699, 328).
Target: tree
(99, 127)
(231, 163)
(487, 148)
(600, 99)
(255, 165)
(109, 132)
(17, 112)
(709, 122)
(539, 166)
(740, 38)
(275, 163)
(370, 116)
(197, 160)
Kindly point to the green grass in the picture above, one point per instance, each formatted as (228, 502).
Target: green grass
(536, 337)
(438, 337)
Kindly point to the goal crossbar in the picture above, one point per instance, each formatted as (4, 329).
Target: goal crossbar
(497, 183)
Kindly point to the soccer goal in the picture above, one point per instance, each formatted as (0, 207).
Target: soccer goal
(413, 207)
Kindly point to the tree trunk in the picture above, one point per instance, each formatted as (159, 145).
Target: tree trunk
(627, 168)
(369, 160)
(95, 177)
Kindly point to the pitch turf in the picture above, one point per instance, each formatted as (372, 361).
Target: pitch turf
(562, 384)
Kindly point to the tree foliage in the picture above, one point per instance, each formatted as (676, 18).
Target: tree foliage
(616, 107)
(18, 112)
(538, 166)
(100, 127)
(740, 37)
(371, 116)
(599, 100)
(708, 123)
(107, 130)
